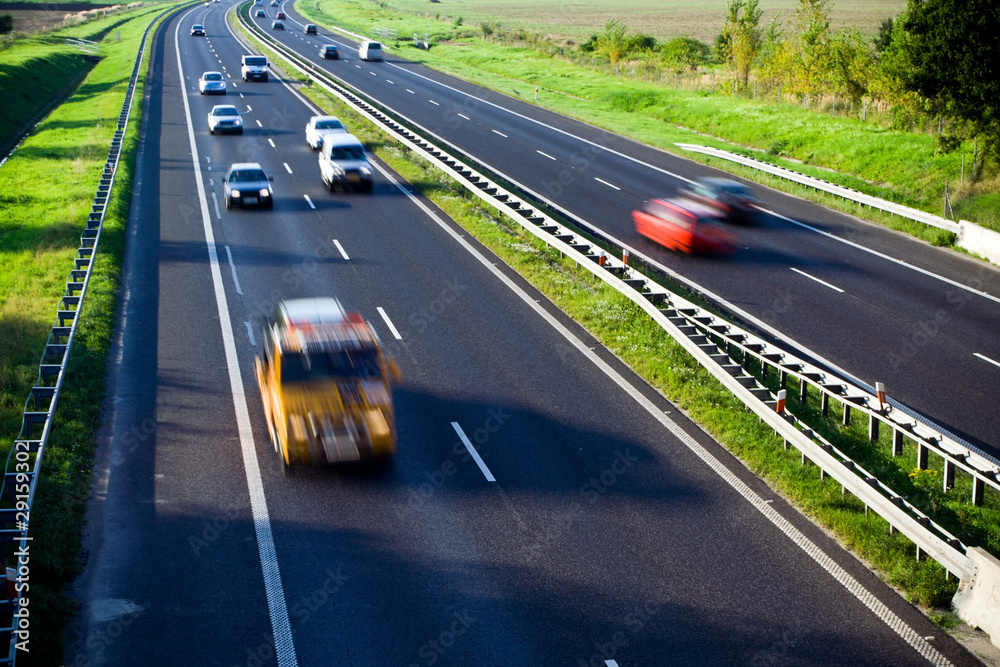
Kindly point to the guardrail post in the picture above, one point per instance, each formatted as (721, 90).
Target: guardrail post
(824, 404)
(978, 485)
(897, 442)
(948, 478)
(847, 414)
(873, 427)
(922, 452)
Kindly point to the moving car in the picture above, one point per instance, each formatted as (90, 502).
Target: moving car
(259, 14)
(274, 3)
(310, 29)
(246, 184)
(212, 83)
(370, 50)
(320, 126)
(326, 385)
(254, 68)
(343, 162)
(329, 52)
(225, 118)
(197, 30)
(683, 225)
(732, 199)
(280, 15)
(277, 25)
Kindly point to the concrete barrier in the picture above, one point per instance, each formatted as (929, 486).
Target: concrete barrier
(984, 242)
(977, 601)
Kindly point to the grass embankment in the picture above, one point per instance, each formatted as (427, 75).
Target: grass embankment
(46, 189)
(652, 353)
(899, 166)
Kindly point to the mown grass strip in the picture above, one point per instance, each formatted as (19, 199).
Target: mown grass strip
(625, 329)
(47, 188)
(903, 167)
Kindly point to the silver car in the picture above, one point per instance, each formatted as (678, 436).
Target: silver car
(225, 118)
(320, 126)
(212, 83)
(246, 184)
(344, 162)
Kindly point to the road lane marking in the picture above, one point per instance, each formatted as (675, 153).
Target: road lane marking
(473, 452)
(272, 143)
(610, 663)
(545, 155)
(392, 327)
(464, 116)
(880, 610)
(410, 91)
(308, 201)
(232, 266)
(249, 110)
(250, 334)
(258, 124)
(218, 213)
(343, 253)
(821, 282)
(373, 73)
(287, 168)
(281, 628)
(500, 133)
(985, 358)
(388, 81)
(437, 104)
(606, 183)
(242, 97)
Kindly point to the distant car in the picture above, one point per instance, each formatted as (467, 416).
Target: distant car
(259, 14)
(215, 1)
(310, 29)
(197, 30)
(329, 52)
(343, 162)
(277, 25)
(320, 126)
(683, 225)
(280, 16)
(370, 50)
(212, 83)
(733, 200)
(225, 118)
(246, 184)
(274, 3)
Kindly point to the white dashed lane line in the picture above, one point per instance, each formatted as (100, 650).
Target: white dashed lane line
(272, 143)
(985, 358)
(410, 91)
(821, 282)
(500, 133)
(434, 103)
(392, 327)
(388, 81)
(249, 109)
(287, 168)
(472, 451)
(464, 116)
(253, 343)
(343, 253)
(232, 265)
(545, 155)
(610, 185)
(258, 124)
(308, 201)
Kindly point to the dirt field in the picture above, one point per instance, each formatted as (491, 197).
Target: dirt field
(664, 19)
(34, 20)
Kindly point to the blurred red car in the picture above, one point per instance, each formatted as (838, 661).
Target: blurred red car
(683, 225)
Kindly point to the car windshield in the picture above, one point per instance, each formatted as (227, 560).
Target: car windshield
(329, 365)
(347, 153)
(329, 125)
(225, 111)
(257, 61)
(198, 27)
(213, 76)
(247, 176)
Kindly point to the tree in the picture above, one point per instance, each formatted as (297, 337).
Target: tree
(613, 41)
(685, 52)
(952, 46)
(741, 36)
(6, 24)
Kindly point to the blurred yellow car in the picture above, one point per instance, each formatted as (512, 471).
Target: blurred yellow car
(326, 385)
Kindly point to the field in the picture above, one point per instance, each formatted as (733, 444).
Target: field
(663, 19)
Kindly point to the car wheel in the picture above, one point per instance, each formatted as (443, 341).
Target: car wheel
(368, 187)
(240, 131)
(270, 204)
(211, 130)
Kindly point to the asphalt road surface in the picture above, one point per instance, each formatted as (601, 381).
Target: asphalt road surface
(601, 528)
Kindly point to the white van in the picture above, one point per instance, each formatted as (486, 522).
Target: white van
(370, 51)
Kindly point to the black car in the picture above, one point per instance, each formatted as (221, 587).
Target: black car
(733, 200)
(277, 25)
(248, 185)
(259, 14)
(310, 29)
(329, 52)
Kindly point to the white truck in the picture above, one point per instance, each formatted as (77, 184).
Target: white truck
(254, 68)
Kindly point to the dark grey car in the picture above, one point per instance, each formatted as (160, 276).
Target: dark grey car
(246, 184)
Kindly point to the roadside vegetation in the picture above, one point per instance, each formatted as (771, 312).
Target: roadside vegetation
(653, 354)
(46, 189)
(794, 92)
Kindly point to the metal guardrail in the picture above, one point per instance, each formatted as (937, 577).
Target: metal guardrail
(17, 490)
(711, 341)
(826, 186)
(385, 33)
(83, 44)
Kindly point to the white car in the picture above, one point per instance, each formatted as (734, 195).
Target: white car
(225, 118)
(343, 162)
(212, 83)
(320, 126)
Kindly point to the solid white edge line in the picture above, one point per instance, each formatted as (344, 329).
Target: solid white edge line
(392, 327)
(821, 282)
(343, 253)
(500, 133)
(985, 358)
(545, 155)
(232, 266)
(472, 451)
(284, 646)
(882, 612)
(606, 183)
(287, 168)
(310, 202)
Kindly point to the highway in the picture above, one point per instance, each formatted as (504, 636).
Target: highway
(878, 304)
(601, 528)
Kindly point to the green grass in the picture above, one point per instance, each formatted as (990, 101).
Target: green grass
(899, 166)
(47, 187)
(627, 331)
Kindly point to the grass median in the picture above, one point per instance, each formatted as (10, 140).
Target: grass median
(625, 329)
(47, 188)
